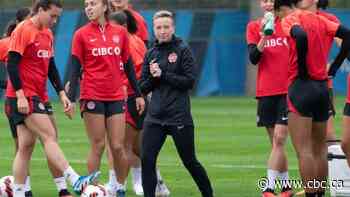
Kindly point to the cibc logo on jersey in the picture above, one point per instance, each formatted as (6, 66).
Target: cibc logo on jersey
(274, 42)
(104, 51)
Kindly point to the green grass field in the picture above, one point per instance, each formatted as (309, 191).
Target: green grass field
(230, 146)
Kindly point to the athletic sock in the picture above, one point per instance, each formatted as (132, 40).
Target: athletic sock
(70, 175)
(272, 176)
(27, 186)
(61, 183)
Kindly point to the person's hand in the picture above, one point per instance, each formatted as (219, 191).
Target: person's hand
(22, 105)
(140, 105)
(155, 69)
(67, 105)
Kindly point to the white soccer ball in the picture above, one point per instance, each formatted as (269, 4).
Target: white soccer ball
(6, 186)
(94, 191)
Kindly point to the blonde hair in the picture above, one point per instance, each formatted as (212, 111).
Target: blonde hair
(163, 14)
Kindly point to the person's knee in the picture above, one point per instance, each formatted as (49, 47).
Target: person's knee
(117, 147)
(279, 140)
(98, 145)
(191, 163)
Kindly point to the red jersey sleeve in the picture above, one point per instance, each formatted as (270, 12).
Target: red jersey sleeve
(289, 22)
(252, 34)
(331, 27)
(20, 39)
(4, 49)
(77, 46)
(125, 47)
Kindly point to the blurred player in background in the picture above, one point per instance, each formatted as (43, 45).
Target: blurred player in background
(59, 179)
(270, 54)
(308, 95)
(119, 5)
(101, 50)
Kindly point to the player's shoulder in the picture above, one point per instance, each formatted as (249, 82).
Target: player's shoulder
(254, 23)
(329, 16)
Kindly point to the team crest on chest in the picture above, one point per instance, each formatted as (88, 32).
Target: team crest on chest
(172, 58)
(116, 39)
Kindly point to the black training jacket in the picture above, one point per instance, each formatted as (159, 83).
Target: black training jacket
(170, 101)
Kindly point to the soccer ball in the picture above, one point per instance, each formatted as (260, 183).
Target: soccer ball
(6, 185)
(94, 191)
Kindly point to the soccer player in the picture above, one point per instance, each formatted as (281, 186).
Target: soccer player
(59, 179)
(101, 49)
(169, 73)
(30, 57)
(119, 5)
(270, 54)
(308, 96)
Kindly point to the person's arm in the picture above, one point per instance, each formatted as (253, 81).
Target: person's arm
(130, 73)
(54, 76)
(344, 34)
(300, 37)
(14, 59)
(254, 54)
(74, 78)
(147, 82)
(186, 80)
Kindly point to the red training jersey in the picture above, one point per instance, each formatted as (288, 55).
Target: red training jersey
(36, 48)
(102, 52)
(4, 47)
(319, 32)
(137, 52)
(142, 31)
(329, 42)
(273, 66)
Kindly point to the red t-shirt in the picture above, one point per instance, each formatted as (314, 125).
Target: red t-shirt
(137, 52)
(319, 32)
(273, 66)
(102, 53)
(142, 31)
(4, 47)
(329, 43)
(36, 47)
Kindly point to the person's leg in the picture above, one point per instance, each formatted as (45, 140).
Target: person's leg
(41, 125)
(319, 148)
(184, 141)
(116, 136)
(330, 123)
(26, 143)
(300, 129)
(96, 131)
(153, 138)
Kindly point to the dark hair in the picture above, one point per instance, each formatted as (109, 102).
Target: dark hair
(21, 14)
(279, 3)
(125, 17)
(323, 4)
(45, 4)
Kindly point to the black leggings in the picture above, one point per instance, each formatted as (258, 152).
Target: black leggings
(153, 138)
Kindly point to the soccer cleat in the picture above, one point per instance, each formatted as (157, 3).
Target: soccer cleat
(268, 194)
(110, 189)
(120, 193)
(288, 193)
(28, 194)
(64, 193)
(84, 181)
(138, 189)
(162, 189)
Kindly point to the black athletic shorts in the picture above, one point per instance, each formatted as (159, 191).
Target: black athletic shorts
(133, 117)
(107, 108)
(331, 103)
(272, 110)
(15, 118)
(309, 98)
(347, 109)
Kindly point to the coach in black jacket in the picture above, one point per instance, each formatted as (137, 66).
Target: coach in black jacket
(169, 73)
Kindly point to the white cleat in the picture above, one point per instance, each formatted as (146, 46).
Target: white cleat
(162, 190)
(138, 189)
(111, 191)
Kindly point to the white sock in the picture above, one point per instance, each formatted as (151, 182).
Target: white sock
(112, 179)
(272, 176)
(18, 190)
(60, 183)
(159, 177)
(136, 175)
(27, 186)
(284, 176)
(70, 175)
